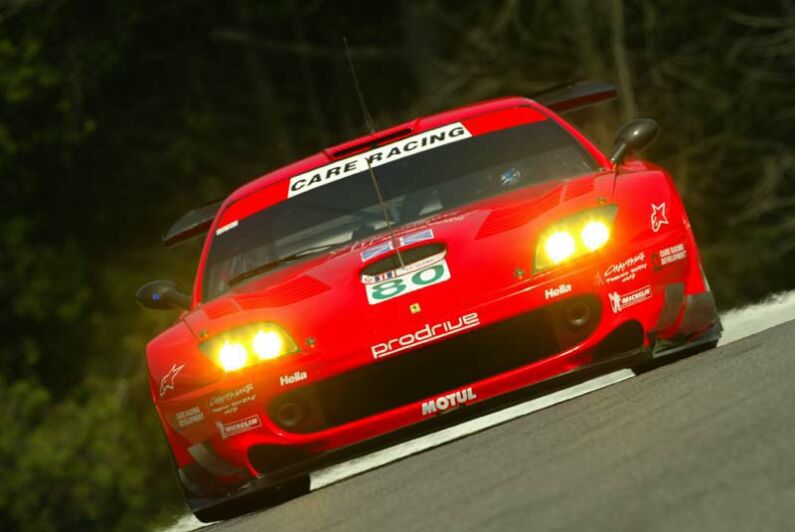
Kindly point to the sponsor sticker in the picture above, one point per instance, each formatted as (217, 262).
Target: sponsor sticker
(407, 283)
(189, 417)
(551, 293)
(286, 380)
(619, 302)
(425, 334)
(238, 427)
(376, 157)
(227, 227)
(167, 382)
(658, 217)
(669, 255)
(409, 268)
(385, 247)
(228, 402)
(626, 270)
(448, 401)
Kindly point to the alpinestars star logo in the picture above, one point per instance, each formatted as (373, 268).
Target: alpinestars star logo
(658, 218)
(167, 382)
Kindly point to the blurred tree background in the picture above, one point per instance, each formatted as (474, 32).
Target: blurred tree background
(118, 116)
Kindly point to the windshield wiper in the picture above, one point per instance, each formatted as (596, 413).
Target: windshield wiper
(262, 268)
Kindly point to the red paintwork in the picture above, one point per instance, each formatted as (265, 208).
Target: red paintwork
(323, 297)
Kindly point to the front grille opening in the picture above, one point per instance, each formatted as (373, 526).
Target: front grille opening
(626, 337)
(453, 363)
(410, 256)
(269, 458)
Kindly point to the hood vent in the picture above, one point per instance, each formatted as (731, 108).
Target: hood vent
(410, 256)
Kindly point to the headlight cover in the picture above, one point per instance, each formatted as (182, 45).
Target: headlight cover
(574, 236)
(248, 345)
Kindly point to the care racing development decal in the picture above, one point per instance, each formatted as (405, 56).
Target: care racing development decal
(377, 157)
(189, 417)
(619, 302)
(658, 217)
(238, 427)
(669, 255)
(167, 382)
(450, 400)
(626, 270)
(425, 334)
(426, 275)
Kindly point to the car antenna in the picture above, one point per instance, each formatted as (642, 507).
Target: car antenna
(369, 121)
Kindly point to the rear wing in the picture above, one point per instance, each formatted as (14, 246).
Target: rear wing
(192, 224)
(571, 96)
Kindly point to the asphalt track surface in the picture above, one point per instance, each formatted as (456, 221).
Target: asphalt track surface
(704, 443)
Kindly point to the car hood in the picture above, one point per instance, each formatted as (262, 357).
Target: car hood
(322, 301)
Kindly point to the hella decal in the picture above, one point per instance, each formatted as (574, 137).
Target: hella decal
(626, 270)
(551, 293)
(619, 302)
(376, 157)
(238, 427)
(425, 334)
(298, 376)
(450, 400)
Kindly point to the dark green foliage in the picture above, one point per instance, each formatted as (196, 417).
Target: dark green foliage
(117, 116)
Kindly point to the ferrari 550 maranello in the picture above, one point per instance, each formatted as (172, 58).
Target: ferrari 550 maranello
(414, 272)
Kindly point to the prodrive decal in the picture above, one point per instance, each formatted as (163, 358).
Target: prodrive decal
(376, 157)
(425, 334)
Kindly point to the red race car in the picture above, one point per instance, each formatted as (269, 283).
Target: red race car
(423, 269)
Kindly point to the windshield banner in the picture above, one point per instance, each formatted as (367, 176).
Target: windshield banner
(376, 157)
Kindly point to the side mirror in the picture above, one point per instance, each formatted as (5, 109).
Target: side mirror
(162, 295)
(634, 136)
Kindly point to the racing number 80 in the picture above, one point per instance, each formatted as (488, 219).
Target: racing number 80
(394, 287)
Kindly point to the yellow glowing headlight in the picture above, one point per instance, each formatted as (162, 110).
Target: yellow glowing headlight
(574, 236)
(595, 234)
(267, 344)
(232, 356)
(559, 246)
(245, 346)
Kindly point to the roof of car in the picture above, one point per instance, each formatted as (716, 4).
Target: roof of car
(384, 136)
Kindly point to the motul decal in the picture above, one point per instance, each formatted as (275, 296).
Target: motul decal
(450, 400)
(376, 157)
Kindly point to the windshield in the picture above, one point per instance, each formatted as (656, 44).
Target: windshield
(413, 187)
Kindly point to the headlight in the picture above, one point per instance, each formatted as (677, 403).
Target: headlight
(574, 236)
(243, 347)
